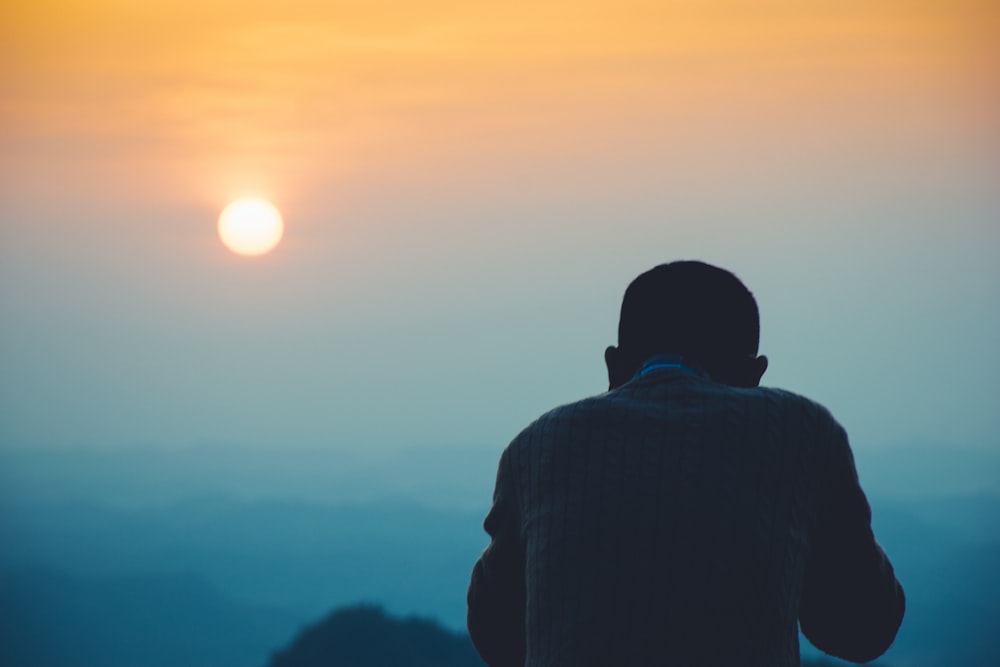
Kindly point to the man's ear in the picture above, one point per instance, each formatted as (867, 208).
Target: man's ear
(757, 368)
(618, 374)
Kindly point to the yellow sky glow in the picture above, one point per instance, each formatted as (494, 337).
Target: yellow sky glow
(231, 95)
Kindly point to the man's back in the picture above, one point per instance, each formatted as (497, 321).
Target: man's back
(680, 521)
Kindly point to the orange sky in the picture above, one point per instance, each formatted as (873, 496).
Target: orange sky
(211, 98)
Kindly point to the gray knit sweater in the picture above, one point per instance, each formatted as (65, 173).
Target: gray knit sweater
(679, 522)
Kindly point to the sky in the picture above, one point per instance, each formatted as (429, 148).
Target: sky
(467, 189)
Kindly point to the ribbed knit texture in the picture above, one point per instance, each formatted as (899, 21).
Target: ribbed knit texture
(676, 521)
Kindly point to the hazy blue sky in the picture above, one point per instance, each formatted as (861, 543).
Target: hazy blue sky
(467, 194)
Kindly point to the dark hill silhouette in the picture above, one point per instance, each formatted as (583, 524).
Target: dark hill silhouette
(365, 636)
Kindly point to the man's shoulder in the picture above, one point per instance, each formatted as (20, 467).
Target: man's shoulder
(803, 404)
(792, 398)
(793, 407)
(590, 410)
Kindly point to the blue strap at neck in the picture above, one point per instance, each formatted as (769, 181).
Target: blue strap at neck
(669, 361)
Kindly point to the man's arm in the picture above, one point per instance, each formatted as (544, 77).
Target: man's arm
(852, 605)
(496, 598)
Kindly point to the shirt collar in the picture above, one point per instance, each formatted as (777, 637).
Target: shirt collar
(674, 361)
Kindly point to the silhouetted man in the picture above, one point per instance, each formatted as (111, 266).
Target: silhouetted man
(685, 517)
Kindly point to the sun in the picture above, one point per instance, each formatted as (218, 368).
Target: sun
(251, 226)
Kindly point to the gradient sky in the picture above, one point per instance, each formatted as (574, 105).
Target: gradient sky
(468, 187)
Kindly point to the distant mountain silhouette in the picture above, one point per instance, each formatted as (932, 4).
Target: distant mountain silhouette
(365, 636)
(291, 555)
(58, 620)
(310, 557)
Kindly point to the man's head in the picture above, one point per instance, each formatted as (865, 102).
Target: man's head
(692, 309)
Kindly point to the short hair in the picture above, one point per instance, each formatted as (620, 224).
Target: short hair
(692, 309)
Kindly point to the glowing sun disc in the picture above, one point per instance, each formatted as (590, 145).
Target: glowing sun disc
(250, 226)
